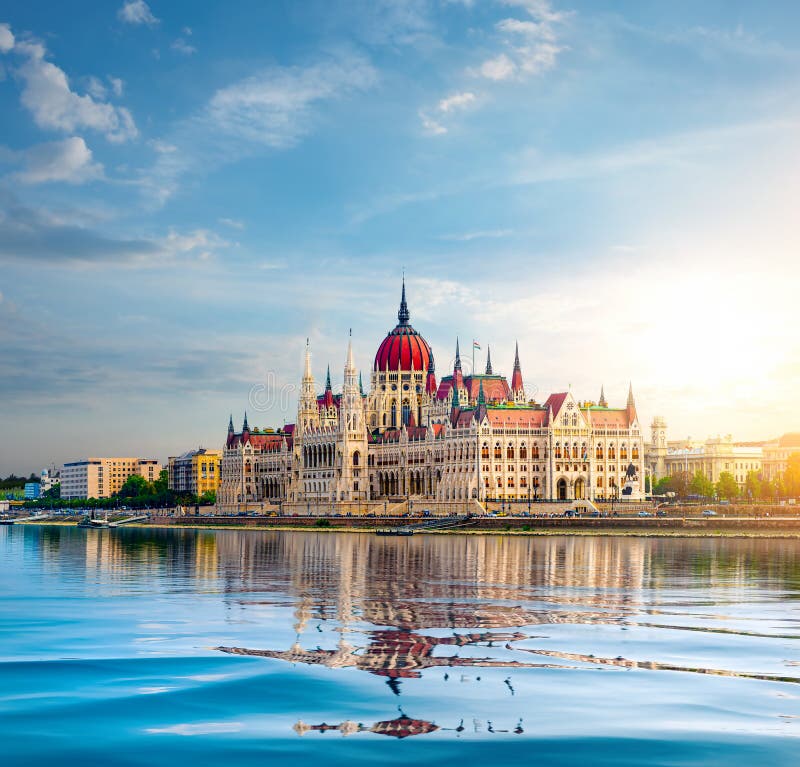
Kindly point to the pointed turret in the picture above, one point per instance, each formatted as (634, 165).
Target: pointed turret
(602, 401)
(631, 402)
(488, 361)
(430, 380)
(481, 395)
(403, 315)
(245, 427)
(307, 409)
(230, 425)
(458, 376)
(517, 387)
(328, 380)
(360, 384)
(456, 402)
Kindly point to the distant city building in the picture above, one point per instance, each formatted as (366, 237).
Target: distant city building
(464, 438)
(33, 490)
(49, 478)
(776, 455)
(195, 472)
(102, 477)
(711, 457)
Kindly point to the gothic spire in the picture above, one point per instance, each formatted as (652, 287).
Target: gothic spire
(488, 361)
(403, 314)
(481, 395)
(307, 369)
(245, 427)
(602, 401)
(457, 366)
(360, 384)
(456, 402)
(516, 377)
(631, 403)
(230, 425)
(328, 380)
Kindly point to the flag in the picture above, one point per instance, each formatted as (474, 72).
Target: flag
(475, 344)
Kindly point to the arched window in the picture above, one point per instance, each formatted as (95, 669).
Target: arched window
(510, 452)
(558, 450)
(498, 452)
(356, 458)
(598, 452)
(574, 449)
(394, 414)
(635, 453)
(623, 452)
(523, 452)
(536, 452)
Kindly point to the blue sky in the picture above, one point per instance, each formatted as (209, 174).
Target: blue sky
(189, 190)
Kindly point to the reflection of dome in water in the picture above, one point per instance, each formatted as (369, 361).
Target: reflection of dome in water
(403, 348)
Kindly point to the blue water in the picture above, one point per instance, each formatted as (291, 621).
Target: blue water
(344, 648)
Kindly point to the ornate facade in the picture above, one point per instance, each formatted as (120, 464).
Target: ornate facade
(467, 437)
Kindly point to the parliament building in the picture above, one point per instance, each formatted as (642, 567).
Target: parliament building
(462, 438)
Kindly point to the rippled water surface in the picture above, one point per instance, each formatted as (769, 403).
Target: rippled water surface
(168, 647)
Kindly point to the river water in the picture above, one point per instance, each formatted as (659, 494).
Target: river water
(169, 647)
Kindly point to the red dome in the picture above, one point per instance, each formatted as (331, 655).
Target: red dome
(401, 349)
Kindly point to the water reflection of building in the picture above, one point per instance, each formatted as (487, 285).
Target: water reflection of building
(393, 654)
(400, 727)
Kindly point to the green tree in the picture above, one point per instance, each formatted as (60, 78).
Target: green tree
(701, 485)
(161, 485)
(53, 492)
(209, 498)
(135, 486)
(727, 487)
(753, 484)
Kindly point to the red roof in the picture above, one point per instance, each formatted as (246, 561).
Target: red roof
(605, 418)
(517, 417)
(402, 349)
(555, 401)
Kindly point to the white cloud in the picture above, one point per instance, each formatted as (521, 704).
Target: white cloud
(499, 68)
(530, 45)
(69, 161)
(47, 95)
(95, 88)
(6, 38)
(162, 147)
(234, 223)
(446, 106)
(137, 12)
(469, 236)
(117, 85)
(181, 46)
(274, 106)
(456, 101)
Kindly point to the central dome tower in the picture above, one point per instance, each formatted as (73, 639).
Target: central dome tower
(403, 375)
(403, 348)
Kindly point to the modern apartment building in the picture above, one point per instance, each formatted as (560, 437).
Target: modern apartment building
(102, 477)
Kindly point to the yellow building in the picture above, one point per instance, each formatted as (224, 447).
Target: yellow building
(712, 457)
(776, 455)
(195, 472)
(102, 477)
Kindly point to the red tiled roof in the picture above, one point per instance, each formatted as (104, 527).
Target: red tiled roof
(555, 401)
(606, 418)
(517, 417)
(495, 388)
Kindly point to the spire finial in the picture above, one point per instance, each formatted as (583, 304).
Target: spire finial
(481, 395)
(631, 402)
(602, 401)
(488, 361)
(516, 355)
(457, 366)
(245, 427)
(328, 379)
(403, 314)
(230, 425)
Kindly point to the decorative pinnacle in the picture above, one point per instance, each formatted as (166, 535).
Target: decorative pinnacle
(457, 366)
(516, 355)
(481, 395)
(488, 361)
(403, 316)
(328, 379)
(245, 427)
